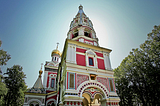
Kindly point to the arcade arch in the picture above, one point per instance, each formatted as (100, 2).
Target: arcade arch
(34, 102)
(92, 96)
(98, 85)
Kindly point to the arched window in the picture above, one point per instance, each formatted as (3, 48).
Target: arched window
(75, 33)
(86, 34)
(91, 58)
(111, 84)
(91, 61)
(52, 83)
(57, 59)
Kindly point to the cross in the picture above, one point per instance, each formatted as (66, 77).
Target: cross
(41, 65)
(57, 45)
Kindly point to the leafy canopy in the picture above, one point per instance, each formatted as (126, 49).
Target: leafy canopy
(16, 86)
(138, 76)
(4, 57)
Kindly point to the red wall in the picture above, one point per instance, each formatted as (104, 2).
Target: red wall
(48, 77)
(80, 60)
(100, 63)
(80, 50)
(99, 54)
(52, 97)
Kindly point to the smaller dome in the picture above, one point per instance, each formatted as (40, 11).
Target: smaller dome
(56, 52)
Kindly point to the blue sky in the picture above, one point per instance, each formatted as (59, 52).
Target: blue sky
(30, 29)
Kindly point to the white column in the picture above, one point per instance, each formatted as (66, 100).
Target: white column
(81, 30)
(45, 79)
(49, 86)
(74, 54)
(68, 53)
(107, 61)
(95, 62)
(71, 54)
(69, 35)
(87, 60)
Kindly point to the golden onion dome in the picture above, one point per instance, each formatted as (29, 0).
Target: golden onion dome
(56, 52)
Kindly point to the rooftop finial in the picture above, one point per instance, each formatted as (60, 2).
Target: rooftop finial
(41, 65)
(57, 46)
(80, 7)
(40, 71)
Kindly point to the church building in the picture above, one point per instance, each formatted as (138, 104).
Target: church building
(79, 76)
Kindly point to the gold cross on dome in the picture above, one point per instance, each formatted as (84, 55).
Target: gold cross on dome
(57, 45)
(41, 65)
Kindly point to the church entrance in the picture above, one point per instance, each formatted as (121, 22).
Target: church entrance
(92, 97)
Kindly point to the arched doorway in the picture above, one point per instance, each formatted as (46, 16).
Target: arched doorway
(92, 96)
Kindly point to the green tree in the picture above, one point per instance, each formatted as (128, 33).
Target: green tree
(3, 90)
(16, 86)
(138, 76)
(4, 57)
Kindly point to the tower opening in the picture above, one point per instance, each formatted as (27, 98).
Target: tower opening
(86, 34)
(75, 35)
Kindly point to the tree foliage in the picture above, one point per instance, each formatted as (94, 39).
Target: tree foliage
(138, 76)
(16, 86)
(4, 57)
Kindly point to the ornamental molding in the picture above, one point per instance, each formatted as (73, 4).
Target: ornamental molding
(95, 84)
(37, 100)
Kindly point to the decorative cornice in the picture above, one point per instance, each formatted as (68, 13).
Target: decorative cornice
(89, 46)
(30, 93)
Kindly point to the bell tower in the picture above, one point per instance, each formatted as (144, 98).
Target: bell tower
(85, 76)
(81, 29)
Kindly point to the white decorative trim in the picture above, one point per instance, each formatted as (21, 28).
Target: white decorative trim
(68, 54)
(45, 79)
(90, 53)
(51, 100)
(71, 54)
(50, 77)
(86, 82)
(107, 61)
(32, 100)
(80, 53)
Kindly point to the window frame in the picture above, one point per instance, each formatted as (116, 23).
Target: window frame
(53, 83)
(69, 80)
(91, 54)
(110, 79)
